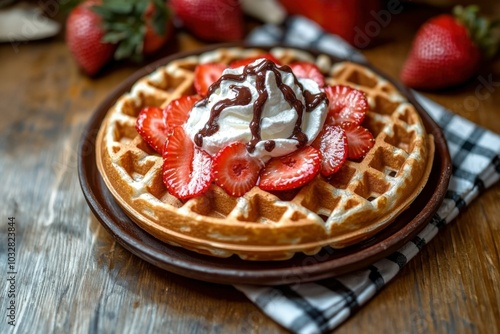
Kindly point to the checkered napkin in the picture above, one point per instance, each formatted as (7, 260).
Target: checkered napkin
(321, 306)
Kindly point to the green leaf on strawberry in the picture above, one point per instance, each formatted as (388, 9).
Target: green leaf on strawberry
(97, 31)
(132, 24)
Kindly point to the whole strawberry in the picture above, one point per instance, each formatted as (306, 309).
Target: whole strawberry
(214, 20)
(84, 36)
(98, 30)
(448, 50)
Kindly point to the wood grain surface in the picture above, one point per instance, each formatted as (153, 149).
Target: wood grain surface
(72, 277)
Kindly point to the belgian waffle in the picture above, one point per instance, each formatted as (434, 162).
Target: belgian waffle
(359, 200)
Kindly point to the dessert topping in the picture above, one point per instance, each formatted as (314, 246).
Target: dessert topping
(308, 70)
(359, 140)
(247, 61)
(291, 171)
(346, 105)
(274, 114)
(205, 75)
(260, 124)
(177, 111)
(151, 126)
(242, 97)
(235, 170)
(332, 143)
(187, 170)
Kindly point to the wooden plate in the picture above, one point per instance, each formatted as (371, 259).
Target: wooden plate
(233, 270)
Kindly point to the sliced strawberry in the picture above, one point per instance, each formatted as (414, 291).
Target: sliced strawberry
(246, 61)
(292, 170)
(235, 170)
(359, 140)
(346, 105)
(177, 111)
(151, 126)
(308, 71)
(332, 143)
(187, 170)
(205, 75)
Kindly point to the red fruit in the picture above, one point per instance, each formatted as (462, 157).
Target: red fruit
(83, 37)
(347, 18)
(235, 170)
(346, 105)
(177, 111)
(332, 143)
(154, 41)
(215, 20)
(151, 126)
(187, 170)
(246, 61)
(205, 75)
(308, 71)
(442, 55)
(447, 50)
(158, 31)
(291, 171)
(359, 140)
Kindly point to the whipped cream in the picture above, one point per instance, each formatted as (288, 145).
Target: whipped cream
(262, 105)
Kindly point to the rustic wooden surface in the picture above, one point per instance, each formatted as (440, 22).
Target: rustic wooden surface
(73, 278)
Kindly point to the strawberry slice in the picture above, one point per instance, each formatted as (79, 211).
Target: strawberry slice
(359, 140)
(346, 105)
(151, 126)
(177, 111)
(235, 170)
(292, 170)
(308, 71)
(246, 61)
(205, 75)
(332, 143)
(187, 170)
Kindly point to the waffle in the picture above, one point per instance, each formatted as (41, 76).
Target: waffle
(358, 201)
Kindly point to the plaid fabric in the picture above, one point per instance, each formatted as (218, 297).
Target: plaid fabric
(321, 306)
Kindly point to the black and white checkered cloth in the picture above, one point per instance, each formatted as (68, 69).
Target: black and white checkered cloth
(321, 306)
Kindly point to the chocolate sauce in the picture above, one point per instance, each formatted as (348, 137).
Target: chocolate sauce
(314, 100)
(269, 145)
(243, 97)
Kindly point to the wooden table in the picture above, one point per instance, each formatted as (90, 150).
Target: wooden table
(73, 277)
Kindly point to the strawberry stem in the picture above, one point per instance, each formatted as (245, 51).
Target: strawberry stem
(480, 28)
(125, 21)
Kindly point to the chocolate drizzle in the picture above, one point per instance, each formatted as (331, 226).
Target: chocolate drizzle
(269, 145)
(243, 97)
